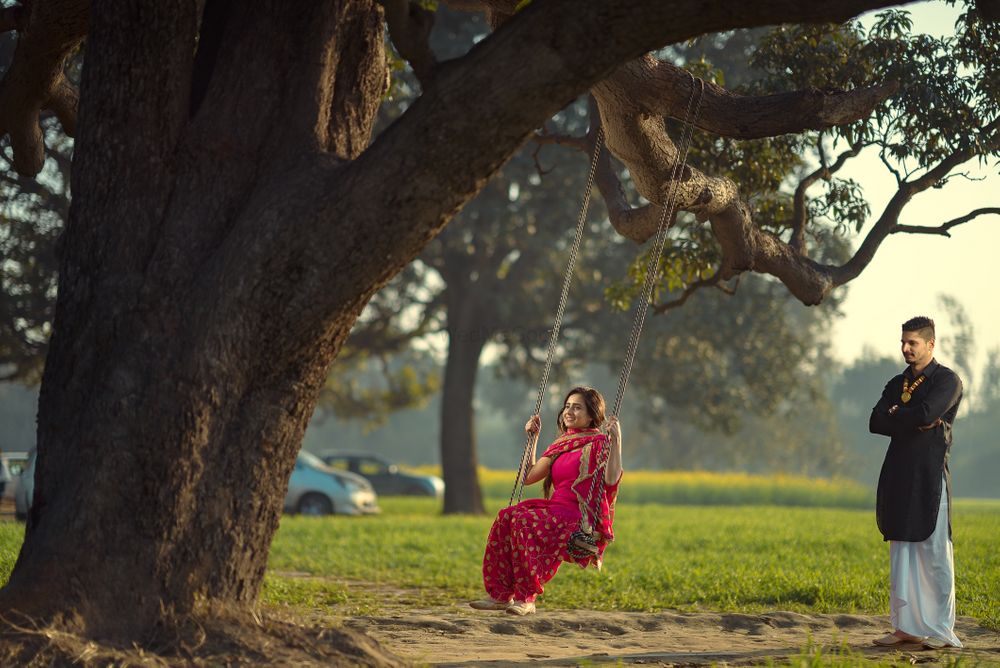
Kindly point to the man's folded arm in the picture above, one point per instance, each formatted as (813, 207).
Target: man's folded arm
(880, 421)
(940, 397)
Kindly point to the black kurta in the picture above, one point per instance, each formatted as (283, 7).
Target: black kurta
(909, 487)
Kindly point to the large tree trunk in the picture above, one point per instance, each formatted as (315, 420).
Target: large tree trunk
(466, 337)
(189, 344)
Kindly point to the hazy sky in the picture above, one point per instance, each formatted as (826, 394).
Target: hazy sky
(910, 271)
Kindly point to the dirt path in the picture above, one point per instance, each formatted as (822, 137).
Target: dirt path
(456, 637)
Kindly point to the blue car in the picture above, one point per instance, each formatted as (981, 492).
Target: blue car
(386, 478)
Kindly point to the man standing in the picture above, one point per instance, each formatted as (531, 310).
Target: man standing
(913, 504)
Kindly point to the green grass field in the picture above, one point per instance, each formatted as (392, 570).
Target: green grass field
(745, 558)
(752, 555)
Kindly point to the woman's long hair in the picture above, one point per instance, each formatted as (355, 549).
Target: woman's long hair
(594, 402)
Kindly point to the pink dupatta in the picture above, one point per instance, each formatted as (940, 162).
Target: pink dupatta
(597, 511)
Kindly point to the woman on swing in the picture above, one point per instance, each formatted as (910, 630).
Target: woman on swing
(528, 542)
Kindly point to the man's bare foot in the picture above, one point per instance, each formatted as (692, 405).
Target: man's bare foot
(897, 637)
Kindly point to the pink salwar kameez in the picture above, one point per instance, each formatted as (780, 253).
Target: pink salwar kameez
(527, 542)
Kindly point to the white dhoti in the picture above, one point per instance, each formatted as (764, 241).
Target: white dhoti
(922, 575)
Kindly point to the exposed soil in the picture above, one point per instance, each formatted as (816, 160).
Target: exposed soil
(456, 636)
(459, 637)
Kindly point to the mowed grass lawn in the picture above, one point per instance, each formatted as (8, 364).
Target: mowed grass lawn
(733, 558)
(747, 556)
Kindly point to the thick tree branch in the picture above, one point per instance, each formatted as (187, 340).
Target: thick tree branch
(945, 228)
(637, 136)
(469, 120)
(634, 223)
(989, 9)
(410, 28)
(746, 247)
(661, 88)
(48, 33)
(888, 221)
(642, 144)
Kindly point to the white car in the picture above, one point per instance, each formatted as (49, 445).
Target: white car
(25, 488)
(316, 489)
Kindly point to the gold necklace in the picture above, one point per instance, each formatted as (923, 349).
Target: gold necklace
(908, 389)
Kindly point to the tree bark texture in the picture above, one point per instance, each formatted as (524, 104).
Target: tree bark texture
(230, 221)
(189, 346)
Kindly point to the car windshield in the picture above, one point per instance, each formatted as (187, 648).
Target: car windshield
(311, 459)
(372, 467)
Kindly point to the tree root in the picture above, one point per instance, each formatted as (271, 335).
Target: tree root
(208, 638)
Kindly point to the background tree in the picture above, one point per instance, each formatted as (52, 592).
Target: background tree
(380, 371)
(854, 393)
(975, 457)
(32, 211)
(227, 231)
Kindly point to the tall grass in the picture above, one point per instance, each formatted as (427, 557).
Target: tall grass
(705, 488)
(11, 535)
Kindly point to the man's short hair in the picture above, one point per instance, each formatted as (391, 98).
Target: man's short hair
(922, 325)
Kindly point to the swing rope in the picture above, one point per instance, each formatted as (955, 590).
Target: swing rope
(692, 113)
(653, 261)
(583, 539)
(574, 252)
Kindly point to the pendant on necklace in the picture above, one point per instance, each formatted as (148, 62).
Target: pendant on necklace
(908, 389)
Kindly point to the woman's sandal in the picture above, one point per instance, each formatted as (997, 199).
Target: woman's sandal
(520, 608)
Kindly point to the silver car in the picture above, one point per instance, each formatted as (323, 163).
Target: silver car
(316, 489)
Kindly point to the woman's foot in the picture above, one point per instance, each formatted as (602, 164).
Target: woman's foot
(520, 608)
(489, 604)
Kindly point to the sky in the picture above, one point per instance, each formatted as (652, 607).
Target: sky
(910, 272)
